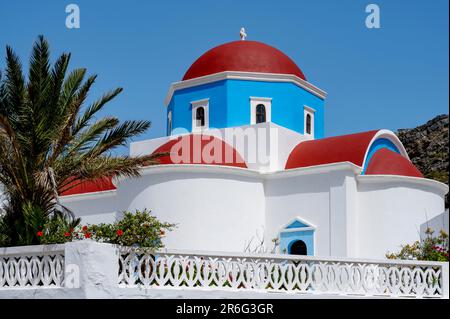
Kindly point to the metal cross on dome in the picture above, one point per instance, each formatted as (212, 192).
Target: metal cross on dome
(243, 34)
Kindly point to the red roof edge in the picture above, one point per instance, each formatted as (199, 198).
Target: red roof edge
(98, 185)
(344, 148)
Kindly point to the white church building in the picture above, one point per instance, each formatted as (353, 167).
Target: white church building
(246, 167)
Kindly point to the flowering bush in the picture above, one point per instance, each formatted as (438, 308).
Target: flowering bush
(431, 248)
(139, 228)
(56, 230)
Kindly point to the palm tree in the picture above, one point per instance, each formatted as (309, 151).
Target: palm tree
(50, 142)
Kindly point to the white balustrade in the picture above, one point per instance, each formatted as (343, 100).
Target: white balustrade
(104, 270)
(32, 266)
(280, 273)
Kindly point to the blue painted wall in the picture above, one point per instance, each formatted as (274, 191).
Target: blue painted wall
(288, 102)
(288, 238)
(181, 107)
(229, 104)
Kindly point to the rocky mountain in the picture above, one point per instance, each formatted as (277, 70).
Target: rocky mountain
(427, 146)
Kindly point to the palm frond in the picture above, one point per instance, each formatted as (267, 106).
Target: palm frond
(48, 145)
(119, 136)
(84, 120)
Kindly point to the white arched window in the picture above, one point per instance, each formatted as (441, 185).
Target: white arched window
(200, 115)
(308, 121)
(169, 123)
(260, 109)
(260, 113)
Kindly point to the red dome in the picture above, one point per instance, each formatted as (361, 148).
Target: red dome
(345, 148)
(387, 162)
(245, 56)
(99, 185)
(200, 150)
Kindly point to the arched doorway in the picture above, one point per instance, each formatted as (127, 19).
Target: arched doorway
(298, 247)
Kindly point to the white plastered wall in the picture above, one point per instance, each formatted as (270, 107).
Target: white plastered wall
(213, 210)
(94, 208)
(391, 210)
(321, 200)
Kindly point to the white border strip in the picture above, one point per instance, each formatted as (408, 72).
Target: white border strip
(249, 76)
(395, 179)
(232, 170)
(317, 169)
(89, 195)
(123, 249)
(31, 250)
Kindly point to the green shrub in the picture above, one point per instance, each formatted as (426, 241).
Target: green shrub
(57, 230)
(138, 228)
(431, 248)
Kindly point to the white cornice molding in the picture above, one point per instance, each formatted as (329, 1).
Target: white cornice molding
(233, 170)
(396, 179)
(201, 102)
(309, 109)
(248, 76)
(260, 99)
(349, 167)
(91, 195)
(310, 226)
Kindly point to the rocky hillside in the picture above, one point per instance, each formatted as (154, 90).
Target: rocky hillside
(427, 146)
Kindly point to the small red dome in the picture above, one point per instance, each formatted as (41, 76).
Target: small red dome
(199, 149)
(244, 56)
(344, 148)
(387, 162)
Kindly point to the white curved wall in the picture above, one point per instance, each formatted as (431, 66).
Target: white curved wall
(222, 208)
(391, 212)
(93, 208)
(214, 210)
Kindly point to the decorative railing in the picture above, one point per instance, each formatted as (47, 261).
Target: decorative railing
(280, 273)
(32, 266)
(45, 266)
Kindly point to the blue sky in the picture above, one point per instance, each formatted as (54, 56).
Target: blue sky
(392, 77)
